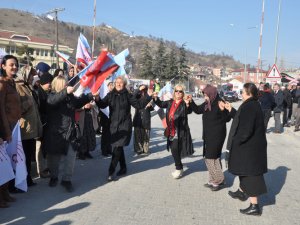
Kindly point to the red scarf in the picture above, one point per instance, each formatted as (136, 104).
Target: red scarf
(172, 111)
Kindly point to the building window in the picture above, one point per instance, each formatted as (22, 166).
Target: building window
(37, 52)
(46, 53)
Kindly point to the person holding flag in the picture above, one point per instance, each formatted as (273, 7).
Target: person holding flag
(61, 131)
(120, 101)
(10, 111)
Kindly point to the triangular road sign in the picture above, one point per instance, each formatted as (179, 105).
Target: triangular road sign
(274, 72)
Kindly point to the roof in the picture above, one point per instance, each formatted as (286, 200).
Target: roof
(12, 35)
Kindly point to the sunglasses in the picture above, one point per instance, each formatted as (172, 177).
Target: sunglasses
(180, 91)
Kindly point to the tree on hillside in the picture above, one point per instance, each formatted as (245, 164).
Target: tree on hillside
(146, 62)
(183, 68)
(172, 68)
(25, 51)
(160, 62)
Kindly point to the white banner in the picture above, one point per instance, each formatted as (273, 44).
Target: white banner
(6, 170)
(15, 151)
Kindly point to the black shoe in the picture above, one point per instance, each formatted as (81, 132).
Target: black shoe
(238, 195)
(81, 156)
(53, 181)
(253, 209)
(218, 187)
(110, 178)
(122, 172)
(16, 190)
(296, 129)
(88, 155)
(208, 185)
(30, 183)
(67, 185)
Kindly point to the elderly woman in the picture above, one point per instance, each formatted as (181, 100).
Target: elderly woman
(10, 111)
(61, 136)
(177, 132)
(30, 123)
(247, 147)
(214, 134)
(120, 101)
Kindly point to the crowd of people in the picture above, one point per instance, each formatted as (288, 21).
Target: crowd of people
(57, 126)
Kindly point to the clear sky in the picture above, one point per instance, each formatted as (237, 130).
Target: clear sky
(204, 25)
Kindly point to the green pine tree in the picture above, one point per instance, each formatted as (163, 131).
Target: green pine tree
(25, 52)
(172, 68)
(146, 62)
(160, 63)
(183, 68)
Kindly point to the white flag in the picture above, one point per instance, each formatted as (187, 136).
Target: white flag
(103, 93)
(15, 151)
(6, 170)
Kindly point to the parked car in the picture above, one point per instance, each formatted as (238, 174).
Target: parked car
(231, 96)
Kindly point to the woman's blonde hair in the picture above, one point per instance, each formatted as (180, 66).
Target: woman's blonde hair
(180, 86)
(58, 83)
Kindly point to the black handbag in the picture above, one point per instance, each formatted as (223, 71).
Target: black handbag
(74, 136)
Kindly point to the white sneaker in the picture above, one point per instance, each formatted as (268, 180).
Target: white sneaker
(177, 174)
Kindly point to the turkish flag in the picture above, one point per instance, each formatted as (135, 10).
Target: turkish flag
(101, 77)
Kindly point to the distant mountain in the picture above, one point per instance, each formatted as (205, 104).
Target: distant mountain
(41, 26)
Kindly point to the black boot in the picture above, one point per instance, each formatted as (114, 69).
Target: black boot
(122, 171)
(238, 195)
(253, 209)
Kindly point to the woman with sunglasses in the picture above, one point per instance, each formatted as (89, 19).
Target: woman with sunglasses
(214, 121)
(177, 132)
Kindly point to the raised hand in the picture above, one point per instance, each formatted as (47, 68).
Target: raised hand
(154, 95)
(228, 106)
(70, 90)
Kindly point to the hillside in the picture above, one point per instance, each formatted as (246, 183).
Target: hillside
(40, 26)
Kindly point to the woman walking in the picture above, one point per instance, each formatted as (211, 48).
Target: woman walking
(214, 122)
(177, 132)
(142, 124)
(61, 136)
(247, 145)
(120, 101)
(10, 111)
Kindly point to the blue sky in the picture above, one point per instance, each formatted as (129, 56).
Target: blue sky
(204, 25)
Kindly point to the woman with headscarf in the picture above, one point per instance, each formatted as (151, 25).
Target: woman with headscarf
(214, 122)
(178, 131)
(30, 123)
(10, 111)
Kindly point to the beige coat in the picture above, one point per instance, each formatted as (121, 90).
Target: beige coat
(30, 123)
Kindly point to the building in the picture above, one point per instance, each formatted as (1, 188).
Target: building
(43, 49)
(250, 75)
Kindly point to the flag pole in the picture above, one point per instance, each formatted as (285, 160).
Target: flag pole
(94, 28)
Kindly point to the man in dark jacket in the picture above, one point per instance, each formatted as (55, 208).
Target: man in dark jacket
(267, 103)
(279, 98)
(295, 105)
(287, 104)
(297, 95)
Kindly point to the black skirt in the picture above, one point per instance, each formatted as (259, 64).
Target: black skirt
(253, 185)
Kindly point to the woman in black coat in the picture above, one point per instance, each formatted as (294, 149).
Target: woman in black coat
(60, 138)
(247, 145)
(120, 101)
(142, 123)
(177, 132)
(214, 121)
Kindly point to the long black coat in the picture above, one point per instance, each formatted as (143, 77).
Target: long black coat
(142, 117)
(247, 141)
(214, 128)
(120, 103)
(185, 142)
(60, 119)
(279, 98)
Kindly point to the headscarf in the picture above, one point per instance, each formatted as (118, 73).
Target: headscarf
(211, 92)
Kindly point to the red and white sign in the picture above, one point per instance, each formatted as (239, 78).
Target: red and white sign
(274, 72)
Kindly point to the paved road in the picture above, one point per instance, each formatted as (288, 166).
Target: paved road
(149, 195)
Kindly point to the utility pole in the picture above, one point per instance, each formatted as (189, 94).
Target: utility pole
(260, 43)
(56, 11)
(94, 27)
(277, 31)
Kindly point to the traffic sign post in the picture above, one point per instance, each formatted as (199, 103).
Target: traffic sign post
(273, 75)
